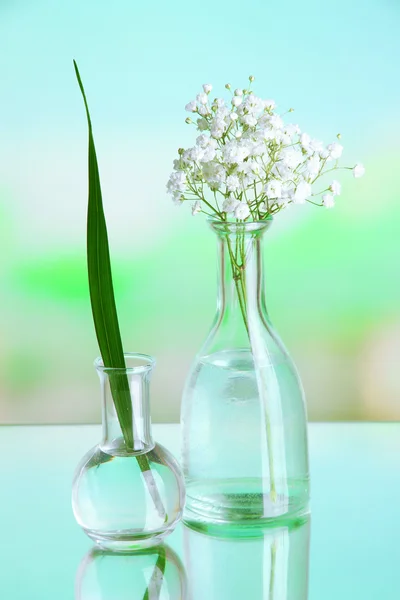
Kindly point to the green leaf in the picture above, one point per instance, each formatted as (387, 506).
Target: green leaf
(102, 291)
(105, 312)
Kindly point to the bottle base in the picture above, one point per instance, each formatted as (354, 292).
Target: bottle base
(244, 529)
(243, 505)
(129, 541)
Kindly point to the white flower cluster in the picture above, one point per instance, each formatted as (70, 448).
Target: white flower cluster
(247, 162)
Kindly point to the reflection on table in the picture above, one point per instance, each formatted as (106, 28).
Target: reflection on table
(154, 573)
(268, 564)
(262, 564)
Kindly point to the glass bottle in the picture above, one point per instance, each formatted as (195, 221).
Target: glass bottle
(144, 574)
(127, 496)
(244, 422)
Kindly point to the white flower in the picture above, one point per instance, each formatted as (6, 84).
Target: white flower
(269, 134)
(214, 174)
(202, 124)
(273, 189)
(305, 141)
(177, 198)
(328, 200)
(313, 166)
(248, 169)
(254, 104)
(203, 110)
(316, 146)
(335, 150)
(217, 129)
(253, 166)
(269, 104)
(276, 122)
(288, 192)
(235, 151)
(242, 211)
(209, 154)
(177, 182)
(193, 154)
(303, 191)
(222, 112)
(335, 188)
(291, 157)
(236, 101)
(258, 149)
(292, 129)
(191, 106)
(232, 183)
(241, 143)
(196, 208)
(249, 120)
(202, 98)
(358, 170)
(284, 173)
(230, 204)
(203, 140)
(206, 142)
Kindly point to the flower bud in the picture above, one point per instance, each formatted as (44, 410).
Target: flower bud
(207, 87)
(188, 120)
(228, 86)
(339, 135)
(181, 151)
(251, 78)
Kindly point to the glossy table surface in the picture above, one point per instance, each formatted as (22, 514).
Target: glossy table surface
(355, 525)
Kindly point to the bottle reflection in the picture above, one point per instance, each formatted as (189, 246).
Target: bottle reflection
(269, 565)
(152, 574)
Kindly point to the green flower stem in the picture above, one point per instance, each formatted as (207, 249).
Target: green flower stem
(238, 284)
(239, 277)
(273, 568)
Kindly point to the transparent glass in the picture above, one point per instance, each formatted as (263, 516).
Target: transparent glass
(244, 422)
(271, 564)
(127, 497)
(153, 573)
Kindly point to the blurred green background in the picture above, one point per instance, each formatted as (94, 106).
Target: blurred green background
(333, 277)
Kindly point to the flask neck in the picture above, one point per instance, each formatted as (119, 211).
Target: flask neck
(126, 406)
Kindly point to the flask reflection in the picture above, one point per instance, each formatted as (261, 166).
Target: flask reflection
(153, 574)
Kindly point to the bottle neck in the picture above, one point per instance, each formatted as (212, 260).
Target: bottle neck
(241, 290)
(133, 387)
